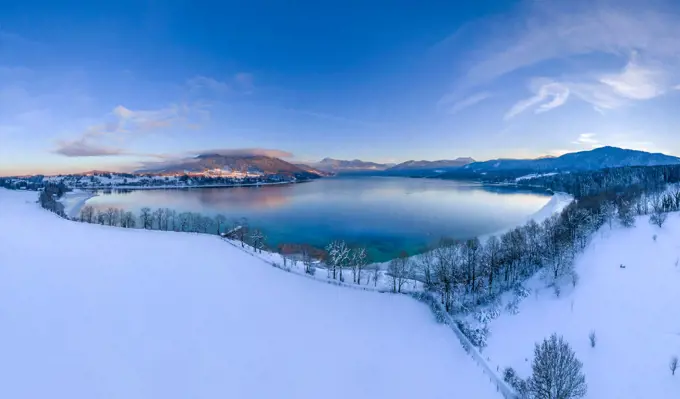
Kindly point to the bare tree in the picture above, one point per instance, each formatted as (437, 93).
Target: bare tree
(308, 261)
(165, 219)
(399, 270)
(447, 257)
(609, 212)
(110, 215)
(241, 230)
(426, 266)
(158, 217)
(673, 364)
(184, 219)
(257, 238)
(556, 371)
(376, 276)
(220, 220)
(171, 219)
(593, 339)
(87, 214)
(145, 217)
(128, 220)
(359, 260)
(101, 217)
(659, 215)
(338, 257)
(658, 218)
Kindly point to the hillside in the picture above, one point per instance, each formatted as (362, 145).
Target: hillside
(420, 165)
(247, 164)
(339, 165)
(599, 158)
(632, 311)
(101, 312)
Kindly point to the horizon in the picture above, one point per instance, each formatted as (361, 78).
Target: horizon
(98, 87)
(240, 153)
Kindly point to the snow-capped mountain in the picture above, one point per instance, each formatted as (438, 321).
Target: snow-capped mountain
(599, 158)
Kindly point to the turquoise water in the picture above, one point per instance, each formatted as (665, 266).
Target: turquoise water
(385, 214)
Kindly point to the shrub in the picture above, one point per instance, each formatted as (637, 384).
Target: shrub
(518, 384)
(513, 306)
(476, 335)
(521, 291)
(593, 339)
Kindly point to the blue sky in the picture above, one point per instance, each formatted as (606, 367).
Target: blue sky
(117, 85)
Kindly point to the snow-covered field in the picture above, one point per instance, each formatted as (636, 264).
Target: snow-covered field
(634, 311)
(88, 311)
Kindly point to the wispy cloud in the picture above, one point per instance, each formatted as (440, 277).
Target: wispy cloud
(94, 141)
(201, 84)
(239, 83)
(586, 139)
(549, 95)
(551, 30)
(83, 148)
(467, 102)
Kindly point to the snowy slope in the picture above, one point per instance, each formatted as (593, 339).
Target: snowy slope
(635, 313)
(90, 311)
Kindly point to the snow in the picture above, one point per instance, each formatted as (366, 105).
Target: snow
(633, 311)
(90, 311)
(534, 176)
(74, 200)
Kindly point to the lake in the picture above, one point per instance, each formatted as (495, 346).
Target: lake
(385, 214)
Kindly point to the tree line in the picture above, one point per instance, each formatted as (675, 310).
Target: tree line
(166, 219)
(49, 198)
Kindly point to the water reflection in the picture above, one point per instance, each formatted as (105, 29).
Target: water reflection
(387, 214)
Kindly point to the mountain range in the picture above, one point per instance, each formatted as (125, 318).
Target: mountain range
(339, 165)
(440, 164)
(599, 158)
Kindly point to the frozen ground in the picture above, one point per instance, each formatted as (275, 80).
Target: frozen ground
(634, 311)
(74, 200)
(90, 311)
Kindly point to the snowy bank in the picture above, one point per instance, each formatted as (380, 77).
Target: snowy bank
(555, 205)
(74, 201)
(90, 311)
(633, 312)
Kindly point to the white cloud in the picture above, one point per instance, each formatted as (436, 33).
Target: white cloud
(637, 82)
(95, 140)
(587, 139)
(551, 30)
(549, 95)
(200, 84)
(83, 148)
(467, 102)
(545, 30)
(242, 82)
(634, 82)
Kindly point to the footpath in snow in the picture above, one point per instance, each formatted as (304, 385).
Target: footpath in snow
(634, 312)
(89, 311)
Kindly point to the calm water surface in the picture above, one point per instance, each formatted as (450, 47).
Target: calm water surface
(385, 214)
